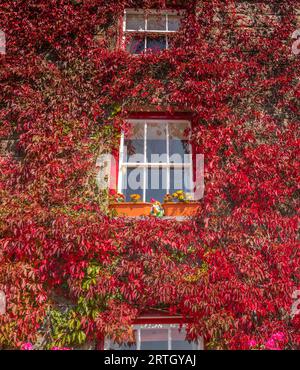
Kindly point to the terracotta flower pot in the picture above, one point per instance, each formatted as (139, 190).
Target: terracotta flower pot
(130, 209)
(181, 209)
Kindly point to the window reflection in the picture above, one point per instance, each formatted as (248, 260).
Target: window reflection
(133, 180)
(156, 22)
(134, 143)
(173, 22)
(179, 341)
(136, 45)
(156, 43)
(156, 339)
(135, 22)
(180, 179)
(156, 139)
(157, 184)
(179, 143)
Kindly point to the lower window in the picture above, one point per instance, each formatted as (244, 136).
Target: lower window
(157, 337)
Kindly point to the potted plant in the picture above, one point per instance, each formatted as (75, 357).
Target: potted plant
(134, 208)
(115, 197)
(180, 204)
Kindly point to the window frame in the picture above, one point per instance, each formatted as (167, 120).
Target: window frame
(160, 165)
(167, 33)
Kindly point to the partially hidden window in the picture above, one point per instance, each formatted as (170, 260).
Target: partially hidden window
(155, 159)
(149, 31)
(157, 337)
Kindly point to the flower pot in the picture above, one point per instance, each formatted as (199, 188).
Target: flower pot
(181, 209)
(130, 209)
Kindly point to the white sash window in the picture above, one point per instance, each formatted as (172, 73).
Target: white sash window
(151, 31)
(155, 159)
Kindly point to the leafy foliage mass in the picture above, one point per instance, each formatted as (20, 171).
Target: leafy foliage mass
(71, 272)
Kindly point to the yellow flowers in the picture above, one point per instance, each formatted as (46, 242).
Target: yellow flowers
(179, 195)
(135, 197)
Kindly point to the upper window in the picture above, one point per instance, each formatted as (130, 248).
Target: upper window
(155, 159)
(151, 31)
(157, 337)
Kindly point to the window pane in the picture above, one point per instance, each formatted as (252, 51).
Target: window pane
(179, 151)
(183, 345)
(179, 143)
(135, 22)
(179, 129)
(156, 43)
(156, 142)
(156, 22)
(134, 143)
(136, 45)
(156, 184)
(180, 179)
(179, 342)
(173, 22)
(154, 339)
(133, 180)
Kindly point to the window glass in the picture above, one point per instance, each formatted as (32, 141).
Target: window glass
(173, 22)
(135, 22)
(156, 22)
(157, 184)
(156, 43)
(180, 179)
(179, 143)
(182, 345)
(134, 143)
(178, 340)
(133, 180)
(156, 141)
(154, 339)
(136, 45)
